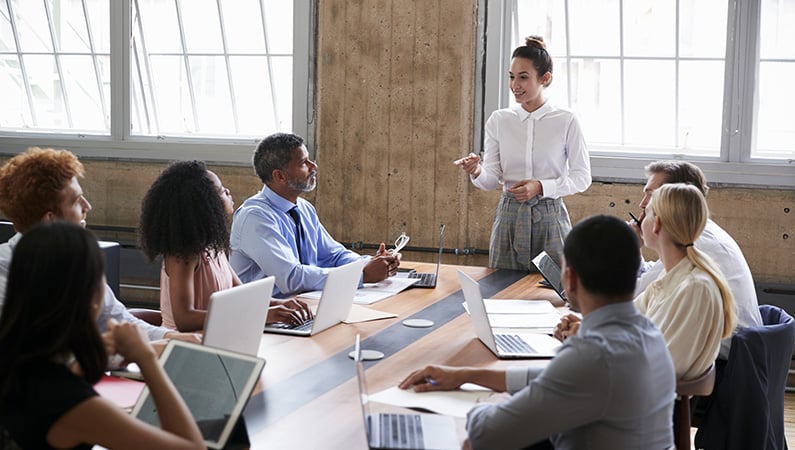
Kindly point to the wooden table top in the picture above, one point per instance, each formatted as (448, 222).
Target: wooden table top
(307, 396)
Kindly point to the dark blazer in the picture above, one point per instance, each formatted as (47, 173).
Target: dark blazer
(746, 408)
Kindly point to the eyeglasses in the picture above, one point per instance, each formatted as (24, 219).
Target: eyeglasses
(400, 242)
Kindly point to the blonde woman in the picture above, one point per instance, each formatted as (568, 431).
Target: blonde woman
(690, 302)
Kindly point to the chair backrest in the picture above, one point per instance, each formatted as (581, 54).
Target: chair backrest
(701, 386)
(7, 231)
(747, 407)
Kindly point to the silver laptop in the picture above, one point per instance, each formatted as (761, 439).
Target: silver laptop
(504, 346)
(403, 431)
(235, 317)
(550, 270)
(335, 301)
(215, 384)
(428, 280)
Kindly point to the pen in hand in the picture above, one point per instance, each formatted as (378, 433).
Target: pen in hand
(637, 222)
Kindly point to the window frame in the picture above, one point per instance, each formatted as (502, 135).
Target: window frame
(734, 166)
(120, 144)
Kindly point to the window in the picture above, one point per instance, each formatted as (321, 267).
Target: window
(654, 79)
(54, 65)
(152, 76)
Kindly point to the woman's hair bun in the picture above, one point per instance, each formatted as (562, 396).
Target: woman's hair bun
(535, 41)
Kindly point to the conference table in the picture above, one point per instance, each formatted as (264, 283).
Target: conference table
(308, 393)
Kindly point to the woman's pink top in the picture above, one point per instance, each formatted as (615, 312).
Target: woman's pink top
(212, 274)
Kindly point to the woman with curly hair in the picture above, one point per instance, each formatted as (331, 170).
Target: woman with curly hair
(184, 218)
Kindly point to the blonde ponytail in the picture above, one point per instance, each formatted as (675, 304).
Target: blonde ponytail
(683, 211)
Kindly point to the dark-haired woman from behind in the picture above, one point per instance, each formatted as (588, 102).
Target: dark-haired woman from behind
(184, 218)
(537, 152)
(51, 353)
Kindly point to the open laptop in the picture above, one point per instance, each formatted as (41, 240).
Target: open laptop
(403, 431)
(215, 384)
(235, 316)
(550, 270)
(504, 346)
(335, 301)
(428, 280)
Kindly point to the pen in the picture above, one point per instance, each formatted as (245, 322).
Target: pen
(637, 222)
(431, 381)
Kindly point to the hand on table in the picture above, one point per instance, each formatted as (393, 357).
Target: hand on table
(433, 378)
(568, 326)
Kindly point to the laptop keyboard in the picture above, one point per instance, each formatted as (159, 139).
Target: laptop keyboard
(512, 344)
(426, 278)
(401, 431)
(306, 326)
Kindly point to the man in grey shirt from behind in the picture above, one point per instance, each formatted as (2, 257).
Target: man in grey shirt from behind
(611, 386)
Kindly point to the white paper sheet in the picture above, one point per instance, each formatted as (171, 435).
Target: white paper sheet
(500, 306)
(372, 292)
(545, 321)
(450, 403)
(363, 314)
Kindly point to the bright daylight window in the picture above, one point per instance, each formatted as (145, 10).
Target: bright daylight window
(775, 136)
(653, 78)
(196, 68)
(54, 65)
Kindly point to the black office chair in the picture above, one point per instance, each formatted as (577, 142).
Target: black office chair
(746, 409)
(7, 231)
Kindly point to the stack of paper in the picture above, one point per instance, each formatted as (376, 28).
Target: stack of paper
(372, 292)
(526, 315)
(450, 403)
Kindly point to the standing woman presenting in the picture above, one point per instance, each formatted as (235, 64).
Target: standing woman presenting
(538, 152)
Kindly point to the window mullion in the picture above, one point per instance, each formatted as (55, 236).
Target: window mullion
(622, 101)
(742, 68)
(676, 79)
(22, 67)
(569, 87)
(188, 75)
(119, 69)
(268, 58)
(95, 61)
(153, 114)
(57, 56)
(228, 66)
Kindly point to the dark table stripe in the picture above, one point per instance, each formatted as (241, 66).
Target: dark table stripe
(282, 398)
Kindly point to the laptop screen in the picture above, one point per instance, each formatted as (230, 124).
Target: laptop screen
(441, 249)
(363, 398)
(214, 383)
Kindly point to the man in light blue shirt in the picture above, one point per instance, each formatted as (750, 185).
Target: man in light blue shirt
(276, 232)
(611, 386)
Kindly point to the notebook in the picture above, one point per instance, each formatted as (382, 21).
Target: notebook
(335, 301)
(550, 271)
(504, 346)
(403, 431)
(428, 280)
(235, 316)
(215, 384)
